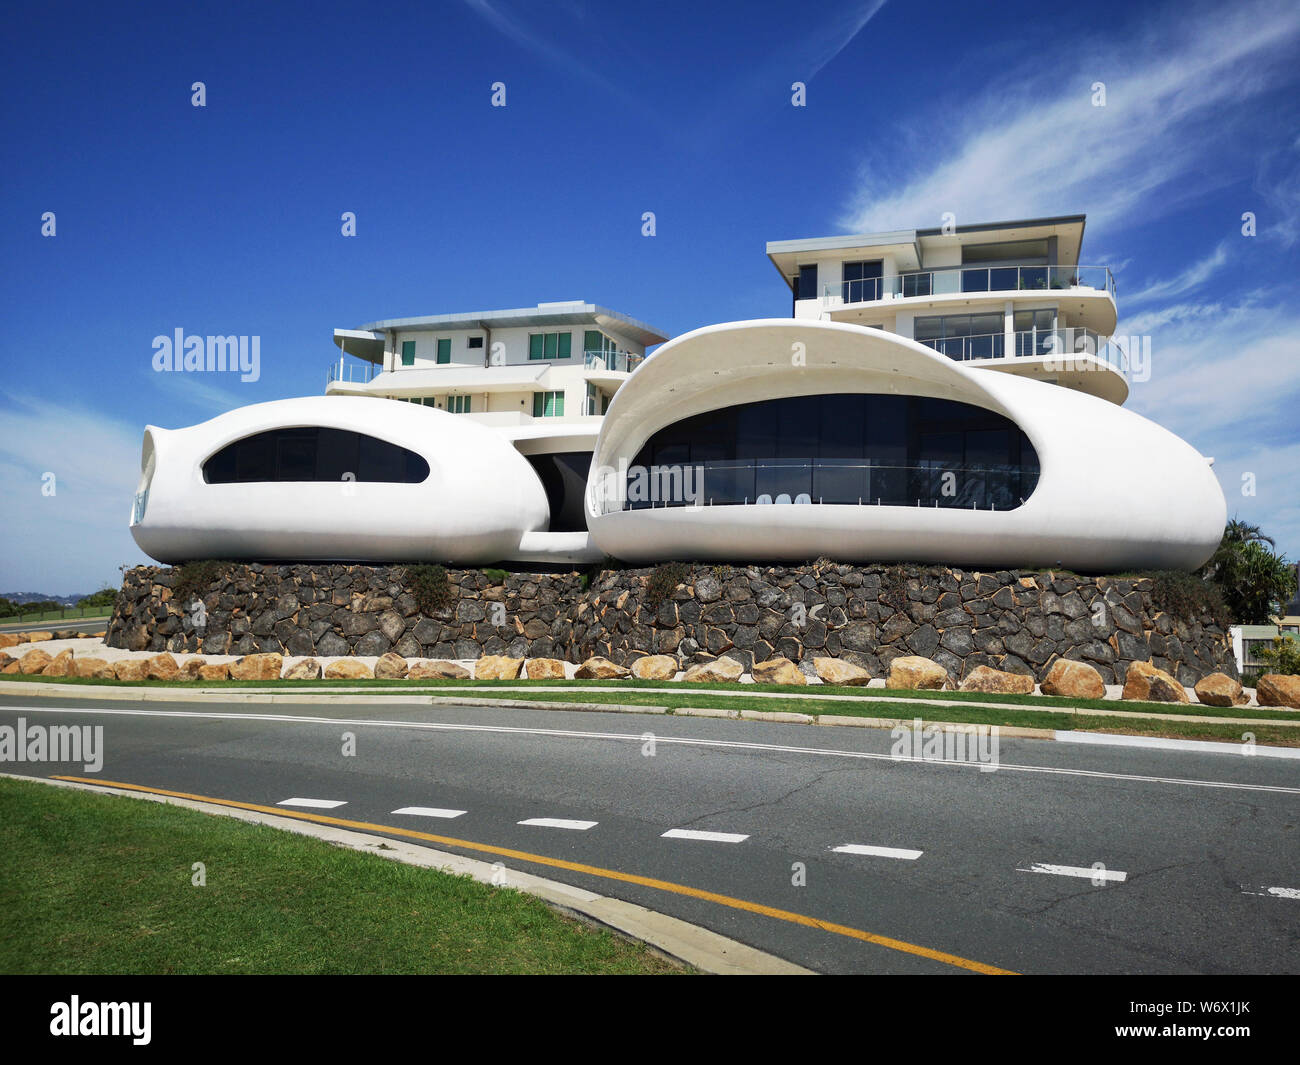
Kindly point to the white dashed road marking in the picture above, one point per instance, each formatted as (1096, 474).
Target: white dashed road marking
(1110, 875)
(315, 804)
(428, 811)
(709, 837)
(1274, 892)
(559, 822)
(878, 852)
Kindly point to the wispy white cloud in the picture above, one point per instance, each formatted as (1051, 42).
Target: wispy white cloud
(73, 540)
(1193, 277)
(829, 42)
(1035, 145)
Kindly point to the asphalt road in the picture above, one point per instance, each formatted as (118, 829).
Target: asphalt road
(1200, 852)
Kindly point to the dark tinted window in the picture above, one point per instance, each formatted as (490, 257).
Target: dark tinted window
(853, 447)
(311, 453)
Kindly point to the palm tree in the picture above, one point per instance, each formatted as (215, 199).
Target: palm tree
(1254, 580)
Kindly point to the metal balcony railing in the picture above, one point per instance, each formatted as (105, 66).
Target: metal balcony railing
(618, 361)
(844, 482)
(351, 371)
(958, 279)
(1066, 344)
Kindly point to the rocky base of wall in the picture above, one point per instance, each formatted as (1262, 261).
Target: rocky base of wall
(1016, 622)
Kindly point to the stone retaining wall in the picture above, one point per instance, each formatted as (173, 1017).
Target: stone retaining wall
(868, 615)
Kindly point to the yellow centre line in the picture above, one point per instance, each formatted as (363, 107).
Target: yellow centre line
(579, 867)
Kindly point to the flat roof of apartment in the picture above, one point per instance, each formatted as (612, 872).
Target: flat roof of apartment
(569, 312)
(908, 238)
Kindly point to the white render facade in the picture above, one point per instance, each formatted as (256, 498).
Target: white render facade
(947, 395)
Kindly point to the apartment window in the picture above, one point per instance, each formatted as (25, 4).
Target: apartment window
(548, 404)
(1035, 332)
(444, 350)
(806, 284)
(862, 281)
(458, 404)
(962, 336)
(594, 340)
(313, 453)
(408, 352)
(474, 342)
(549, 345)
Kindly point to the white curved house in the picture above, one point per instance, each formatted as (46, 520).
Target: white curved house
(748, 455)
(947, 395)
(335, 478)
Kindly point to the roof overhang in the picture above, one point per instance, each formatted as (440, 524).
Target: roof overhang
(905, 244)
(360, 342)
(572, 313)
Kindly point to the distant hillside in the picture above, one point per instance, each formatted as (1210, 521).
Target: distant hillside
(43, 597)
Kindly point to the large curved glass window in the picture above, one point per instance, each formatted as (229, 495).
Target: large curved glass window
(313, 453)
(853, 448)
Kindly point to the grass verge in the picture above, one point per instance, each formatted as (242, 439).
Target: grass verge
(102, 884)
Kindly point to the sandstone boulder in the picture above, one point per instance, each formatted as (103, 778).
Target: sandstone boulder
(265, 666)
(1145, 683)
(391, 667)
(1219, 689)
(348, 669)
(129, 669)
(161, 667)
(497, 667)
(10, 665)
(12, 639)
(34, 661)
(720, 669)
(655, 667)
(1073, 680)
(1278, 689)
(598, 668)
(39, 637)
(997, 682)
(777, 671)
(437, 670)
(544, 669)
(92, 667)
(838, 671)
(61, 666)
(915, 672)
(307, 669)
(214, 671)
(190, 668)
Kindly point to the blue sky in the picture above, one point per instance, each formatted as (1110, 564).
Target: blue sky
(225, 219)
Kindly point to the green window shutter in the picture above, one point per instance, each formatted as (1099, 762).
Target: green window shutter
(551, 339)
(535, 341)
(538, 399)
(566, 339)
(559, 405)
(408, 352)
(591, 340)
(444, 350)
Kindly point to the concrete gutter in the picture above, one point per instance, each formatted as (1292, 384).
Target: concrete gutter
(669, 936)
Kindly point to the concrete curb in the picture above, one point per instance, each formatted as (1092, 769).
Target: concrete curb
(684, 942)
(208, 695)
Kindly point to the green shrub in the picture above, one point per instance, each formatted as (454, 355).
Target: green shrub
(103, 597)
(663, 581)
(1187, 596)
(430, 587)
(193, 580)
(1282, 657)
(722, 573)
(496, 576)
